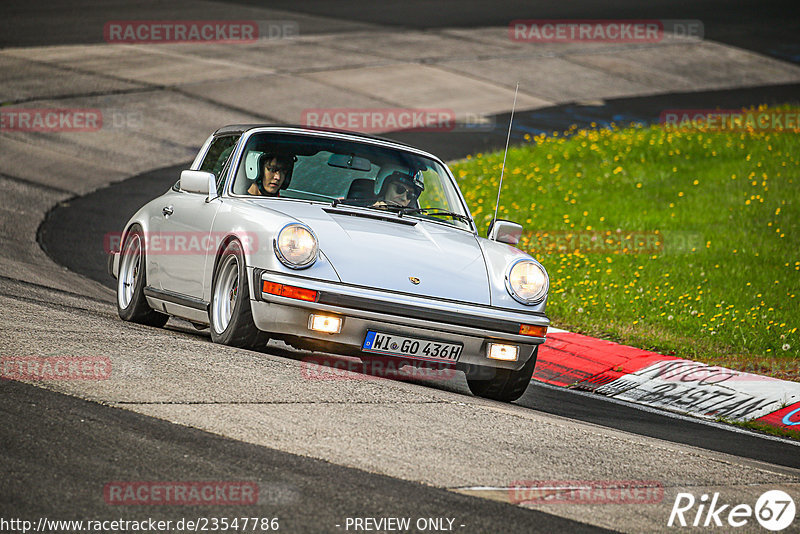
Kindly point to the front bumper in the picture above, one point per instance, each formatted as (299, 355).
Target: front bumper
(364, 309)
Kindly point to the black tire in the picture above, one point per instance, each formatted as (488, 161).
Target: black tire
(232, 320)
(132, 278)
(504, 385)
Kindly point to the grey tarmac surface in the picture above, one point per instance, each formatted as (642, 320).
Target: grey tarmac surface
(75, 235)
(167, 99)
(429, 435)
(765, 27)
(60, 474)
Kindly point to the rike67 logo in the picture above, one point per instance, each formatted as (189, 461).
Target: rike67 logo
(774, 510)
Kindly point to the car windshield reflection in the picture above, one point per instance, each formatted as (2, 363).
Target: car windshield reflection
(347, 172)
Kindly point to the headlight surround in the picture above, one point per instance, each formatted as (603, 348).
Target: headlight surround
(527, 281)
(296, 246)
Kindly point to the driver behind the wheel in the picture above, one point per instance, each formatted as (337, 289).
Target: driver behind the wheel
(269, 173)
(400, 189)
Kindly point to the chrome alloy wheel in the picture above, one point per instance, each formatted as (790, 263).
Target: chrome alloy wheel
(129, 271)
(224, 298)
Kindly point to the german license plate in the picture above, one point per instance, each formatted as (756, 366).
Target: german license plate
(409, 347)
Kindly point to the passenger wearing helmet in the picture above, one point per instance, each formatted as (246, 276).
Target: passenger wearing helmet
(400, 189)
(269, 172)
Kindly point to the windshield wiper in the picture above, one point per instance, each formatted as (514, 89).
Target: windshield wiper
(366, 202)
(352, 201)
(435, 212)
(400, 209)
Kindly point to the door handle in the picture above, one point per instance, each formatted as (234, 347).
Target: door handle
(167, 211)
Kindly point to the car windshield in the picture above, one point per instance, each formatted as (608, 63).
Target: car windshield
(345, 172)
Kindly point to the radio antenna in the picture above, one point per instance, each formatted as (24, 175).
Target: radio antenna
(503, 168)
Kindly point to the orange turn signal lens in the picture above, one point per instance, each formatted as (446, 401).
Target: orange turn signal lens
(532, 330)
(282, 290)
(272, 288)
(299, 293)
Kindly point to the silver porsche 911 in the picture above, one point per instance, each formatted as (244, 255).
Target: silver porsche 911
(336, 242)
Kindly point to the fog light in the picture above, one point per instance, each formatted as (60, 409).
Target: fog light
(325, 323)
(498, 351)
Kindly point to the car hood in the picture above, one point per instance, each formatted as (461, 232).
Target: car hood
(385, 253)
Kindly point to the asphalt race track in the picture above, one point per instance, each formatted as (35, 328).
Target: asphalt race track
(96, 444)
(178, 408)
(73, 236)
(764, 28)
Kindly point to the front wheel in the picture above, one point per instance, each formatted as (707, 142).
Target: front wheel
(131, 303)
(505, 384)
(229, 313)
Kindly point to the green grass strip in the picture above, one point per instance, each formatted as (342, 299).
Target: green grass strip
(682, 241)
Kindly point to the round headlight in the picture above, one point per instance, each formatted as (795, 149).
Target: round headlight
(527, 281)
(296, 246)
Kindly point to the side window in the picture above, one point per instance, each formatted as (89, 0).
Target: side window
(226, 157)
(217, 155)
(215, 159)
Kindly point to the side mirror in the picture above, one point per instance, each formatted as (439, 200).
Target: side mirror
(201, 182)
(505, 232)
